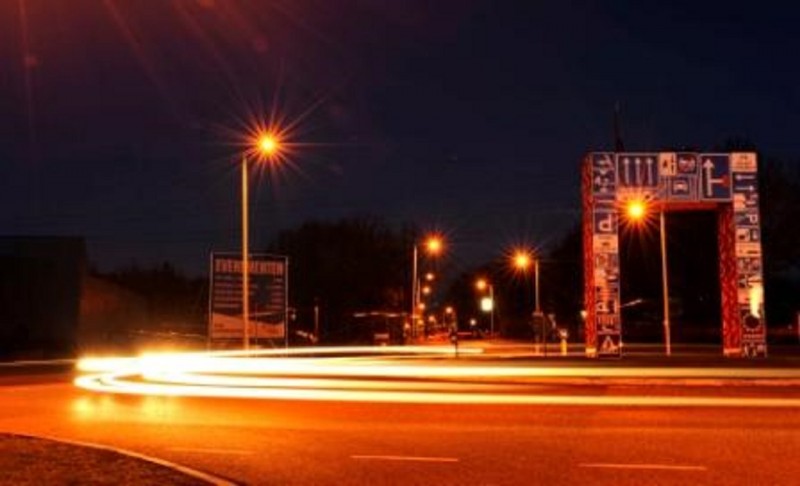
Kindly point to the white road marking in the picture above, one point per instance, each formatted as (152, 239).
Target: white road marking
(662, 467)
(201, 450)
(406, 458)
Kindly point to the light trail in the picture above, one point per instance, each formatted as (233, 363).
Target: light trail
(380, 374)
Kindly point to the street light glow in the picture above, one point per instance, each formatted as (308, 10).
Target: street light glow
(434, 245)
(636, 209)
(522, 259)
(268, 144)
(481, 284)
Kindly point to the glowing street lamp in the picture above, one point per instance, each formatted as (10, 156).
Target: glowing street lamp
(267, 147)
(522, 260)
(487, 303)
(449, 317)
(432, 245)
(637, 211)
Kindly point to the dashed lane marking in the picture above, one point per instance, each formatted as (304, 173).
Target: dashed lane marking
(405, 458)
(203, 450)
(661, 467)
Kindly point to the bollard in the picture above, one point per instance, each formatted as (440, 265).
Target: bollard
(563, 334)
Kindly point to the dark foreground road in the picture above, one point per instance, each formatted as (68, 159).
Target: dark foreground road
(298, 442)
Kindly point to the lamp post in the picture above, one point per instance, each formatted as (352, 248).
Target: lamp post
(522, 260)
(482, 285)
(433, 246)
(266, 146)
(665, 282)
(637, 211)
(245, 257)
(450, 318)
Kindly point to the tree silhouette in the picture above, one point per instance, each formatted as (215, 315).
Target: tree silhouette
(352, 265)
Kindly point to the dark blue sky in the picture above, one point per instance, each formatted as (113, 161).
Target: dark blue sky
(466, 116)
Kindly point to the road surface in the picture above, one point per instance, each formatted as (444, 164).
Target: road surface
(327, 442)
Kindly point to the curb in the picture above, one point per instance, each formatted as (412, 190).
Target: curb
(738, 383)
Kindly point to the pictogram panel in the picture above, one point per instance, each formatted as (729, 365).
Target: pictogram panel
(674, 181)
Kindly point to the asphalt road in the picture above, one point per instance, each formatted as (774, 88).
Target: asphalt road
(300, 442)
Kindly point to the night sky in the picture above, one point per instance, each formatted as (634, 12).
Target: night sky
(121, 119)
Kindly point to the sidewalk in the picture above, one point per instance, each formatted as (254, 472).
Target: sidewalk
(32, 461)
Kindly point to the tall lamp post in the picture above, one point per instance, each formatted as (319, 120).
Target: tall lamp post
(522, 260)
(267, 147)
(482, 285)
(665, 282)
(433, 246)
(637, 212)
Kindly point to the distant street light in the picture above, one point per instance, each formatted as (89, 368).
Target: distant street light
(433, 246)
(267, 147)
(450, 317)
(637, 211)
(487, 306)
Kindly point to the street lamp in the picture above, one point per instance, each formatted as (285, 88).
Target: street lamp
(482, 285)
(433, 246)
(522, 260)
(636, 211)
(449, 317)
(267, 146)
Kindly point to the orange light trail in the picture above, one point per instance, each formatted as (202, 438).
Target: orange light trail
(381, 374)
